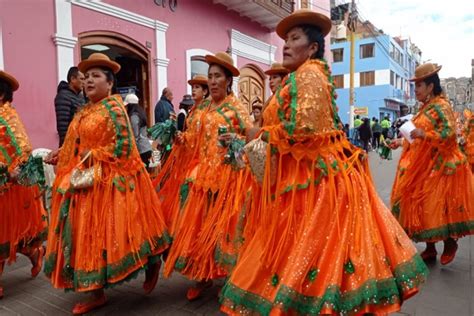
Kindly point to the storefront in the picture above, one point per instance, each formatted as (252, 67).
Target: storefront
(391, 109)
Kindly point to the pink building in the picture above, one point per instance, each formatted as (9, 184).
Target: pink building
(159, 43)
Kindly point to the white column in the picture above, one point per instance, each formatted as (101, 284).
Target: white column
(2, 65)
(235, 81)
(63, 38)
(161, 61)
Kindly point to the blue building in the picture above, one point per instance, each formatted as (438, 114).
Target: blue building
(383, 65)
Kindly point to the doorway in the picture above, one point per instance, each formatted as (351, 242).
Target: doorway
(134, 59)
(251, 85)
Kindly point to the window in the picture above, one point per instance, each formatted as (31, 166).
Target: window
(337, 54)
(392, 78)
(198, 66)
(392, 51)
(366, 51)
(338, 81)
(367, 78)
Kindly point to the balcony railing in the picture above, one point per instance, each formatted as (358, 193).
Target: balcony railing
(265, 12)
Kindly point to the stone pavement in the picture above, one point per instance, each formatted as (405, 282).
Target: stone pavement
(449, 290)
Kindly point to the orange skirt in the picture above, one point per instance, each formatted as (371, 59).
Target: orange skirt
(326, 244)
(434, 200)
(209, 228)
(104, 235)
(23, 220)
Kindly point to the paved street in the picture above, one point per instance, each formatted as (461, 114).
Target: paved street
(449, 290)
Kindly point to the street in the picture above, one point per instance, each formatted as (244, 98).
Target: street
(449, 290)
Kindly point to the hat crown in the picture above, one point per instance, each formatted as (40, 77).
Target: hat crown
(98, 56)
(200, 77)
(9, 79)
(301, 17)
(425, 70)
(225, 60)
(276, 66)
(225, 57)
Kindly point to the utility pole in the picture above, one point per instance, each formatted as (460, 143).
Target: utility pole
(351, 26)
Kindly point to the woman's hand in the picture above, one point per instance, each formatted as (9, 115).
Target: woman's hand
(15, 173)
(52, 157)
(179, 138)
(418, 133)
(225, 139)
(394, 144)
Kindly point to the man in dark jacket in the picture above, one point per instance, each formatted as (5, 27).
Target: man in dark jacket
(164, 108)
(68, 99)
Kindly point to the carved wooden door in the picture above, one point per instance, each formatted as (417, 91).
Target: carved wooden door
(251, 85)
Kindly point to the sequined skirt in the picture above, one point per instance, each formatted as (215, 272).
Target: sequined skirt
(23, 220)
(104, 235)
(326, 243)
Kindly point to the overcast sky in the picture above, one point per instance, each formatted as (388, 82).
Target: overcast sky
(442, 29)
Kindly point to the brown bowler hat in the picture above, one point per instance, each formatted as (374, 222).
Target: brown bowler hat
(277, 69)
(424, 71)
(224, 60)
(10, 80)
(304, 16)
(98, 60)
(198, 79)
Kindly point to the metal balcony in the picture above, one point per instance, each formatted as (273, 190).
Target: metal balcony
(265, 12)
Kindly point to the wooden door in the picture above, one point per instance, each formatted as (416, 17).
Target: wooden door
(251, 85)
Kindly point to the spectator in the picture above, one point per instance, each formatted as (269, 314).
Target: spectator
(68, 99)
(346, 130)
(164, 107)
(257, 112)
(357, 121)
(365, 134)
(138, 121)
(376, 132)
(385, 126)
(184, 107)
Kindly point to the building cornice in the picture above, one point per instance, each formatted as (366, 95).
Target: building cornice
(120, 13)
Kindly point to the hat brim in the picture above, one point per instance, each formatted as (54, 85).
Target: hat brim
(211, 59)
(280, 71)
(88, 64)
(197, 81)
(426, 75)
(10, 80)
(307, 17)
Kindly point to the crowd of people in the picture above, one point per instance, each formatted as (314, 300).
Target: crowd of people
(278, 202)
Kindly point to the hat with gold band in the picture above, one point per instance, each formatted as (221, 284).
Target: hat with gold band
(198, 79)
(98, 60)
(424, 71)
(224, 60)
(277, 69)
(302, 17)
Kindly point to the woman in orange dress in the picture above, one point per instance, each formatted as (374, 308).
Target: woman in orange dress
(106, 222)
(326, 243)
(469, 137)
(183, 156)
(207, 233)
(276, 73)
(23, 220)
(433, 195)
